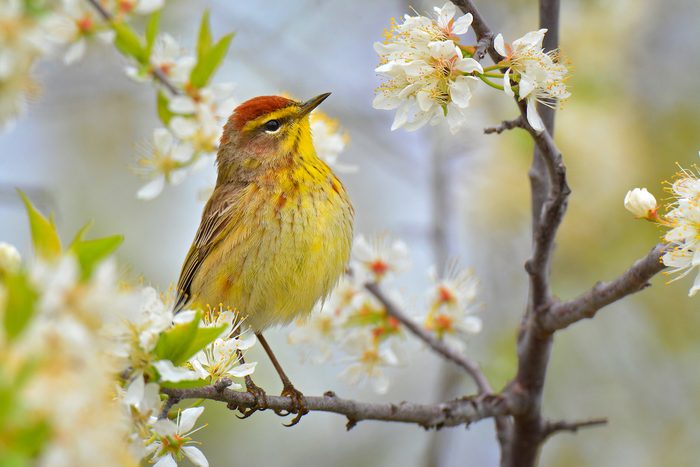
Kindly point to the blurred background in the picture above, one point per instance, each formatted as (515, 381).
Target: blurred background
(634, 113)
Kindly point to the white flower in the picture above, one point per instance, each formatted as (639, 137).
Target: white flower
(369, 358)
(427, 75)
(174, 440)
(540, 76)
(316, 335)
(378, 258)
(23, 40)
(451, 302)
(78, 20)
(135, 335)
(329, 141)
(447, 23)
(170, 58)
(10, 259)
(220, 359)
(684, 223)
(166, 163)
(641, 203)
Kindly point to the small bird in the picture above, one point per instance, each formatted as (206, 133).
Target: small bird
(276, 233)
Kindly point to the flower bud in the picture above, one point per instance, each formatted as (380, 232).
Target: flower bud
(641, 203)
(10, 258)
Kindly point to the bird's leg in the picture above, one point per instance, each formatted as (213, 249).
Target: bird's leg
(288, 390)
(255, 390)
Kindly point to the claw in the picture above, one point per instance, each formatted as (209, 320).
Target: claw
(260, 399)
(298, 405)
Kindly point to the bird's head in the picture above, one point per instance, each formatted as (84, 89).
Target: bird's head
(265, 132)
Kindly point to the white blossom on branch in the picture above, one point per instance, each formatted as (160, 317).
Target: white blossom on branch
(540, 76)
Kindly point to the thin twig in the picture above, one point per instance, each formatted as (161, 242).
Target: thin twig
(636, 278)
(157, 72)
(505, 125)
(552, 427)
(452, 413)
(471, 367)
(170, 401)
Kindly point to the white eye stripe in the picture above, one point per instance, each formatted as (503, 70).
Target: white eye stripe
(273, 131)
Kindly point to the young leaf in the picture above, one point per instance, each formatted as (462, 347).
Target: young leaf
(203, 338)
(129, 43)
(195, 383)
(174, 343)
(20, 305)
(152, 32)
(164, 112)
(207, 64)
(45, 239)
(204, 39)
(91, 252)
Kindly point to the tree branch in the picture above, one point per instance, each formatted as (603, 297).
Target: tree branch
(505, 125)
(551, 427)
(636, 278)
(157, 72)
(461, 411)
(471, 367)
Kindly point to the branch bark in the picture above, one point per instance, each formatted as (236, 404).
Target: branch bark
(471, 367)
(461, 411)
(551, 428)
(635, 279)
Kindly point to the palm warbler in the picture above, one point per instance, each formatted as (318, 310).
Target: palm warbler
(276, 233)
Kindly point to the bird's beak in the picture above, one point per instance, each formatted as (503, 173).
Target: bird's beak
(311, 104)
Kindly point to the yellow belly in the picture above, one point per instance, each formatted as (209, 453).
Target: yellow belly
(283, 256)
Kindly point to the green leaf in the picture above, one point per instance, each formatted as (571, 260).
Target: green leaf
(174, 343)
(203, 338)
(204, 39)
(163, 111)
(209, 62)
(196, 383)
(181, 342)
(45, 239)
(91, 252)
(152, 32)
(20, 304)
(129, 43)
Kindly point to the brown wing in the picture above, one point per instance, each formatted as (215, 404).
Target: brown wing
(216, 220)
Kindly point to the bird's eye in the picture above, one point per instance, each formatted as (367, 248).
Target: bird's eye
(272, 126)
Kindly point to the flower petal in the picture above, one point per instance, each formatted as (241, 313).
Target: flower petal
(499, 45)
(172, 373)
(533, 117)
(196, 456)
(151, 189)
(188, 418)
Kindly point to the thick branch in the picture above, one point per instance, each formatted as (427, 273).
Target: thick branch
(602, 294)
(157, 72)
(471, 367)
(453, 413)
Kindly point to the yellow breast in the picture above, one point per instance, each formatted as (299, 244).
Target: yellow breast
(289, 245)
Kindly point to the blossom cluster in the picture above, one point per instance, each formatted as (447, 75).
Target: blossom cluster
(355, 329)
(30, 30)
(84, 355)
(681, 219)
(429, 73)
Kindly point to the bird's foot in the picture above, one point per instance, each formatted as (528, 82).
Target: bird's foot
(259, 395)
(298, 404)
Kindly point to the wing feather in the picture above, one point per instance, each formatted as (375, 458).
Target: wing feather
(216, 222)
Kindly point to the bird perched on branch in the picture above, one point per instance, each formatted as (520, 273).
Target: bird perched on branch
(276, 233)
